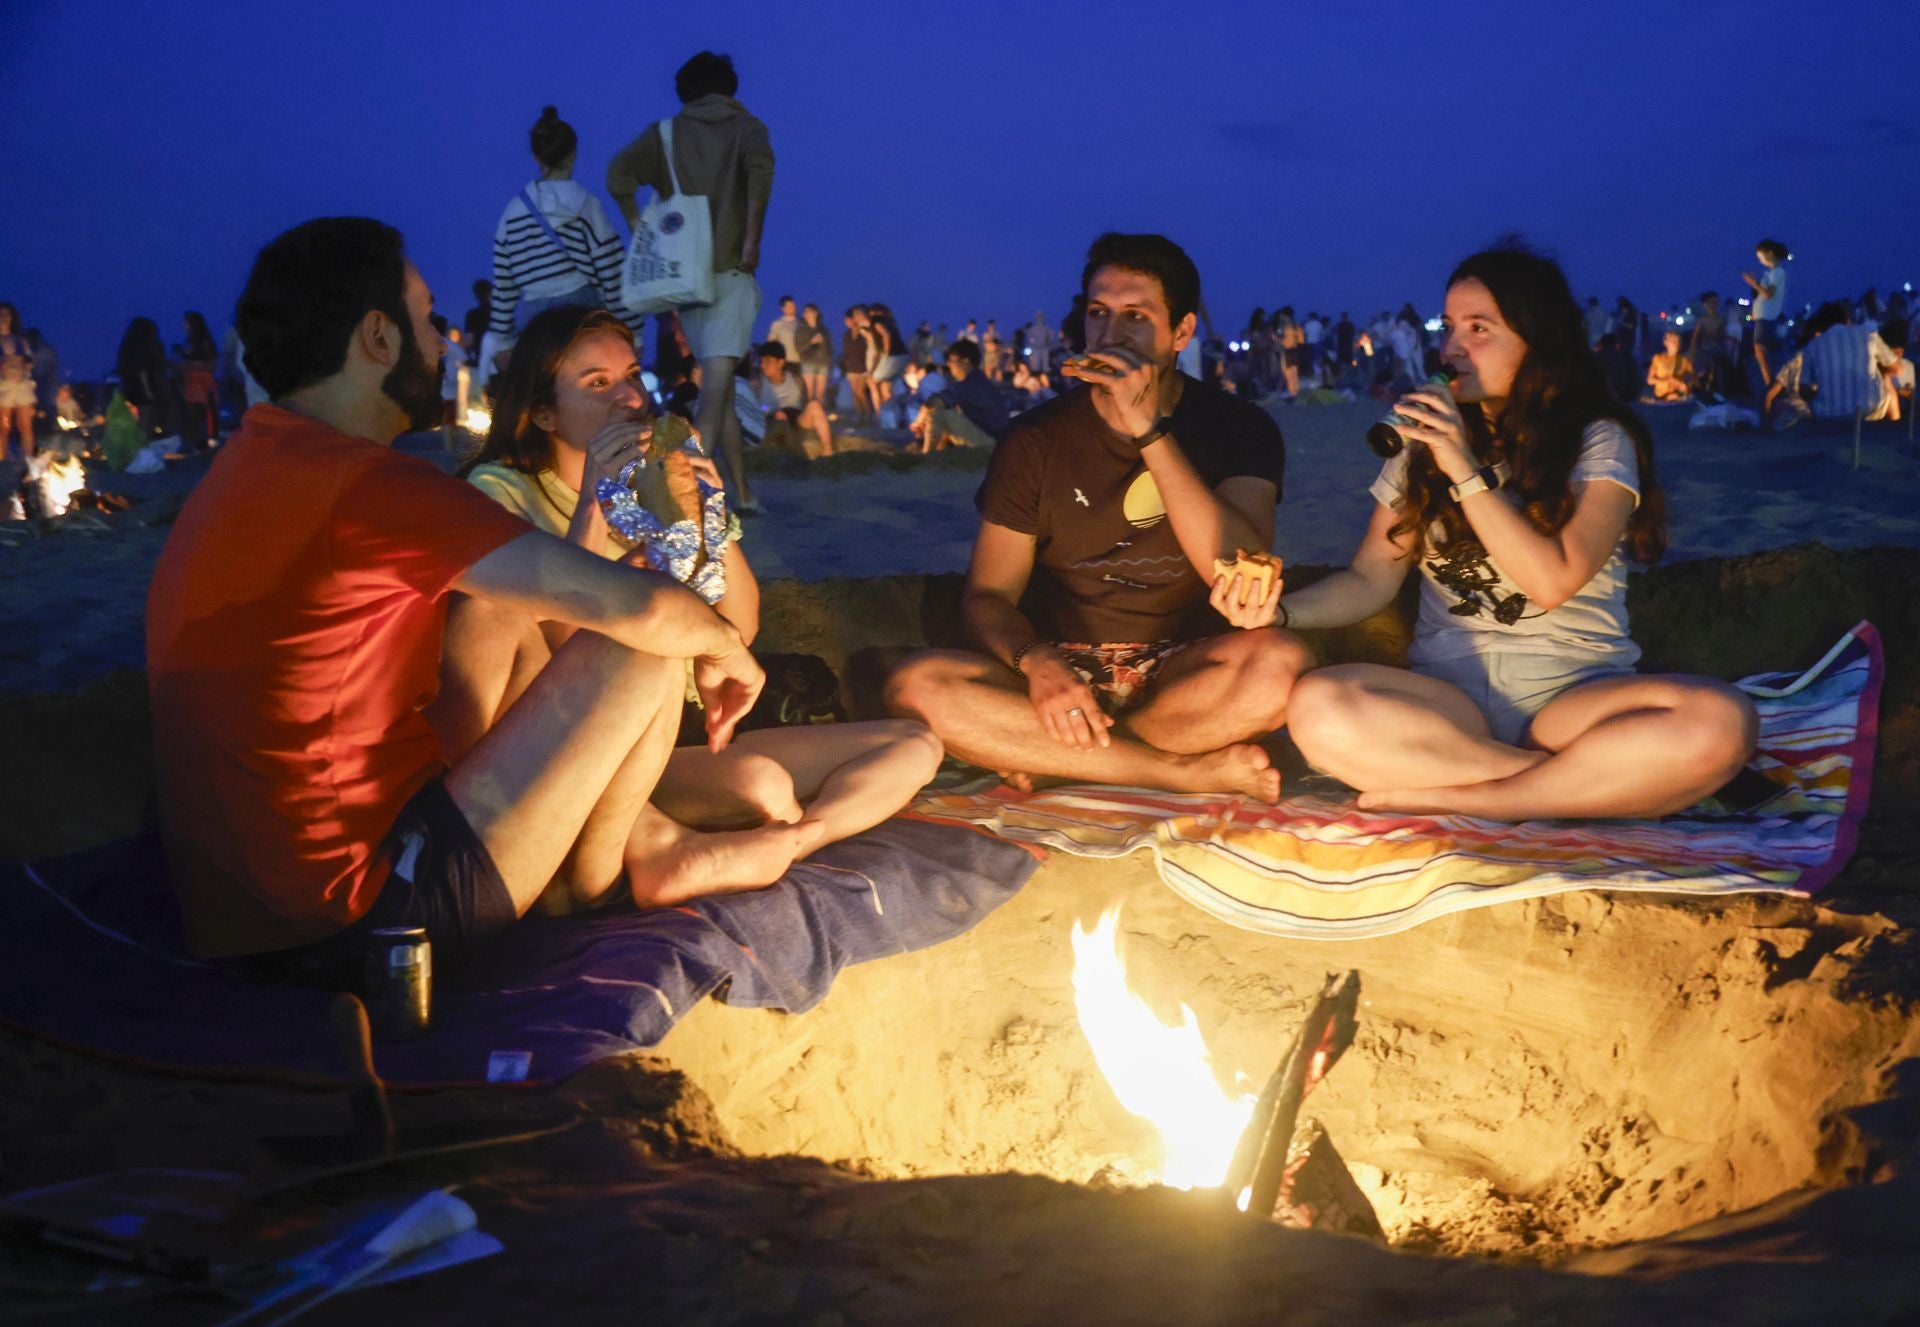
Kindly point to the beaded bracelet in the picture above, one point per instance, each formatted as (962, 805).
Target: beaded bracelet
(1021, 653)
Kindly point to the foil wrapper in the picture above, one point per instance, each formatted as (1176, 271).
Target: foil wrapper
(672, 547)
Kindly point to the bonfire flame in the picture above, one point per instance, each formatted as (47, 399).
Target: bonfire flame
(1163, 1073)
(59, 477)
(479, 420)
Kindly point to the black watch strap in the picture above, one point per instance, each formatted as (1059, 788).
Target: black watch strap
(1161, 427)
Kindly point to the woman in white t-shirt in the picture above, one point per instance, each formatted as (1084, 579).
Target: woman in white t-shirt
(572, 411)
(1521, 493)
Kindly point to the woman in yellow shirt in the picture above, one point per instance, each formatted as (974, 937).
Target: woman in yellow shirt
(572, 411)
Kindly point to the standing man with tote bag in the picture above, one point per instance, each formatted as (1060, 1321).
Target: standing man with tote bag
(722, 153)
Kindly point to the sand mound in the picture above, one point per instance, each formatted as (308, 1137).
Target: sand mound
(1541, 1077)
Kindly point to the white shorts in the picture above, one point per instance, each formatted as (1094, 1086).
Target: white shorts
(724, 328)
(1511, 688)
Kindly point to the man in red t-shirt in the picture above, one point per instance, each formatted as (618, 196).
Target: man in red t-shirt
(1101, 657)
(293, 637)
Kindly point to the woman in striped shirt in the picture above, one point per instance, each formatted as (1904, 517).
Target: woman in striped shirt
(554, 244)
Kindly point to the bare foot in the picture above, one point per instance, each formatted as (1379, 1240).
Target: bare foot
(1244, 769)
(1019, 782)
(724, 863)
(1420, 801)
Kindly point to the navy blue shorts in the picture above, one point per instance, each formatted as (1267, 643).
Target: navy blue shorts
(442, 878)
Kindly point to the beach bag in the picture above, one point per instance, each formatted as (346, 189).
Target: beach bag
(670, 262)
(801, 689)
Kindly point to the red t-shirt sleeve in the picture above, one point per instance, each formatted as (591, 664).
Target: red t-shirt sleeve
(417, 525)
(1010, 494)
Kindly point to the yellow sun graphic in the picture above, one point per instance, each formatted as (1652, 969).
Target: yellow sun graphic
(1142, 505)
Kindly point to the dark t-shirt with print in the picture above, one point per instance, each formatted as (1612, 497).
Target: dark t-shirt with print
(1107, 567)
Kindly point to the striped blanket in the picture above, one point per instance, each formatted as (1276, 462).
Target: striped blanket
(1316, 869)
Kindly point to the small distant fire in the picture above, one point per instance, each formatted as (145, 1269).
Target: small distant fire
(478, 420)
(58, 477)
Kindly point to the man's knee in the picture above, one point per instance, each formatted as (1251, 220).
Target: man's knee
(1267, 666)
(923, 685)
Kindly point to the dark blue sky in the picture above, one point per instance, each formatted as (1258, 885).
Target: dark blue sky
(956, 160)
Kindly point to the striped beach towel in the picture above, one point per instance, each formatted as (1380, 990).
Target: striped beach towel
(1316, 869)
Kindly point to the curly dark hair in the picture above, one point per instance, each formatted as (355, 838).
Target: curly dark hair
(307, 292)
(514, 440)
(1559, 389)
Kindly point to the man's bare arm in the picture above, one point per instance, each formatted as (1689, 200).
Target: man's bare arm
(552, 580)
(996, 579)
(1210, 523)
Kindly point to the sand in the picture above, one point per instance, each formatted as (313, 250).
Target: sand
(1586, 1109)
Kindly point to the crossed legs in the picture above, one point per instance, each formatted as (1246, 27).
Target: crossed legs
(1210, 703)
(674, 823)
(1615, 747)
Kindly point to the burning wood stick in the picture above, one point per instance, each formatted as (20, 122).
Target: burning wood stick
(1325, 1034)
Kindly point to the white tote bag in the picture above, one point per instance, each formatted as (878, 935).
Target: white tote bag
(670, 262)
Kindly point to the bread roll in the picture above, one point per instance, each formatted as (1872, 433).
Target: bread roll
(1252, 568)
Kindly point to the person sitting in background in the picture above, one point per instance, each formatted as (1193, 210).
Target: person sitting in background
(969, 411)
(1616, 363)
(554, 244)
(1841, 371)
(1670, 374)
(793, 422)
(71, 413)
(572, 411)
(1899, 373)
(1033, 387)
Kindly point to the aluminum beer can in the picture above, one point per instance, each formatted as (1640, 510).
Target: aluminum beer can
(399, 982)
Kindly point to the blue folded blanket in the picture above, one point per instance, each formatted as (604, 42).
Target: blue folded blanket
(92, 958)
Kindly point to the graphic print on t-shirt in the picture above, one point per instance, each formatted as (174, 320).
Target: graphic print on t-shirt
(1124, 564)
(1473, 580)
(1143, 505)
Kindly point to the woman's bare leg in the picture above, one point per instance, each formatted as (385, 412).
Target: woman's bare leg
(1627, 746)
(849, 777)
(1374, 727)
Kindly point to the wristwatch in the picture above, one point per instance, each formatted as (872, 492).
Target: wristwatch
(1161, 427)
(1486, 479)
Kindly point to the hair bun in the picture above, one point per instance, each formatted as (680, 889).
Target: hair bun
(549, 113)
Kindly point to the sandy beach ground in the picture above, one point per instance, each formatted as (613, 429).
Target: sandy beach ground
(1593, 1109)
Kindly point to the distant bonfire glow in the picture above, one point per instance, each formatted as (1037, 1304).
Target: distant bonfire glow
(1163, 1073)
(479, 420)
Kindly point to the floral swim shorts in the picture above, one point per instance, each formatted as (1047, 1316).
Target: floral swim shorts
(1121, 674)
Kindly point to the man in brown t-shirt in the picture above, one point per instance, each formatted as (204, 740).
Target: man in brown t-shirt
(1089, 594)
